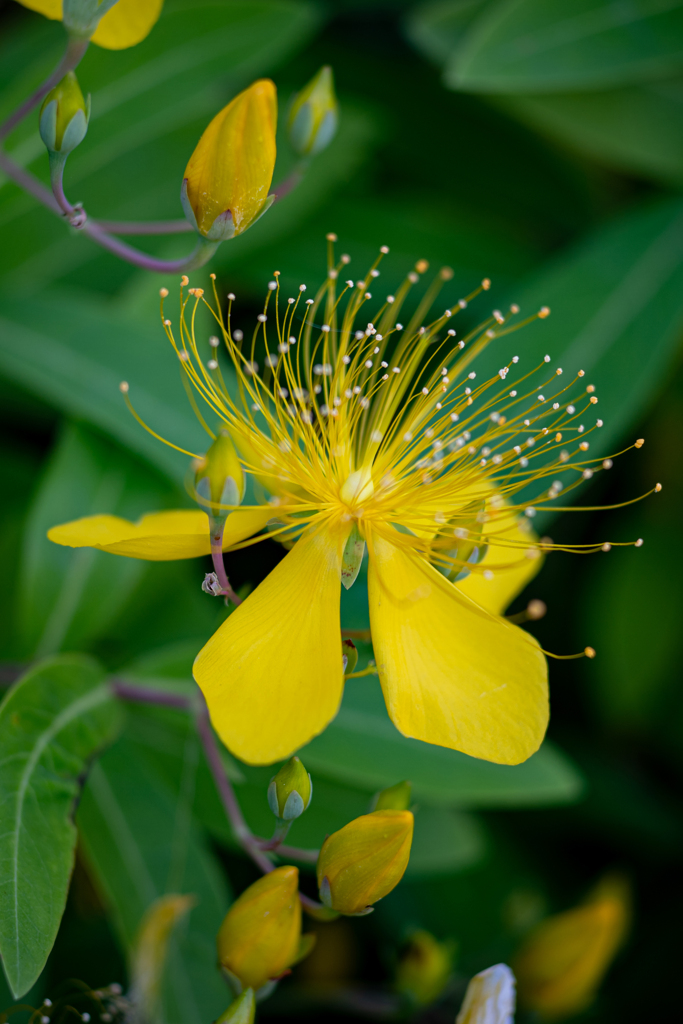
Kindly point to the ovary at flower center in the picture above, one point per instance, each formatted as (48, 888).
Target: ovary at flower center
(357, 488)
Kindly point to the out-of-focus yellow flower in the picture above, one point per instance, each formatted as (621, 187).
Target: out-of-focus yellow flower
(260, 938)
(151, 949)
(64, 116)
(564, 959)
(242, 1011)
(490, 997)
(290, 791)
(394, 798)
(314, 115)
(424, 969)
(364, 861)
(125, 24)
(226, 182)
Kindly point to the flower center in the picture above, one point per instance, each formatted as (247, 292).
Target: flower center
(357, 488)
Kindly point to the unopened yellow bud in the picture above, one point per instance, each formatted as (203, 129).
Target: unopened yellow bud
(242, 1011)
(219, 478)
(425, 968)
(490, 997)
(395, 798)
(364, 861)
(290, 791)
(260, 937)
(314, 115)
(562, 963)
(64, 116)
(226, 182)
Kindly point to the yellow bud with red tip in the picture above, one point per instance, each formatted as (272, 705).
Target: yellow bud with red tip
(364, 861)
(564, 959)
(260, 938)
(226, 182)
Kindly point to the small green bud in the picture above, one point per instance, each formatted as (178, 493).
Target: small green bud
(241, 1011)
(395, 798)
(290, 791)
(219, 477)
(314, 115)
(349, 656)
(64, 116)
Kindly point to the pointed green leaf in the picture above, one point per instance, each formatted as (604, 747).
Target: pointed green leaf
(52, 723)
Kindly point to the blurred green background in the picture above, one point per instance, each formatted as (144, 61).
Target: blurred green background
(538, 142)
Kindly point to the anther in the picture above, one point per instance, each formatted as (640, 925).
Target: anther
(581, 373)
(237, 335)
(384, 249)
(425, 391)
(391, 298)
(167, 323)
(558, 371)
(640, 442)
(486, 284)
(639, 543)
(530, 512)
(309, 302)
(302, 287)
(163, 292)
(272, 285)
(589, 652)
(124, 387)
(331, 237)
(326, 328)
(262, 318)
(590, 389)
(606, 547)
(515, 359)
(543, 312)
(513, 394)
(536, 609)
(231, 296)
(584, 446)
(212, 276)
(214, 342)
(607, 464)
(212, 364)
(658, 488)
(374, 273)
(546, 359)
(599, 423)
(184, 280)
(345, 258)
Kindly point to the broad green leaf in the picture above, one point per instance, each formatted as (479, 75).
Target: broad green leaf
(140, 843)
(437, 28)
(66, 597)
(362, 747)
(52, 723)
(638, 128)
(73, 351)
(547, 45)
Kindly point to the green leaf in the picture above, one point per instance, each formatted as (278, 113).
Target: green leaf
(140, 843)
(67, 597)
(438, 28)
(52, 723)
(363, 748)
(74, 351)
(638, 128)
(543, 45)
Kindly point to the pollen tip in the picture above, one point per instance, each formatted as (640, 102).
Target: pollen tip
(163, 292)
(543, 312)
(446, 273)
(658, 488)
(384, 249)
(231, 296)
(639, 543)
(486, 283)
(331, 237)
(514, 308)
(212, 276)
(536, 609)
(167, 323)
(589, 652)
(640, 442)
(606, 546)
(124, 387)
(581, 373)
(421, 266)
(184, 280)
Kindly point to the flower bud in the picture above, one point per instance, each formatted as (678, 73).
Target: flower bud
(424, 969)
(564, 959)
(290, 791)
(490, 997)
(314, 115)
(64, 116)
(241, 1011)
(260, 937)
(226, 182)
(364, 861)
(349, 656)
(219, 478)
(395, 798)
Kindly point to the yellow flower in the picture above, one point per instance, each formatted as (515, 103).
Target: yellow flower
(226, 182)
(364, 861)
(424, 969)
(125, 24)
(563, 961)
(260, 938)
(362, 434)
(490, 997)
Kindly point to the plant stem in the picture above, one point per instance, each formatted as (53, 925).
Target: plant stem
(150, 695)
(216, 527)
(72, 57)
(145, 227)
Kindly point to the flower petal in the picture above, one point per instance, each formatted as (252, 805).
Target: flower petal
(48, 8)
(497, 593)
(272, 674)
(158, 536)
(452, 674)
(127, 23)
